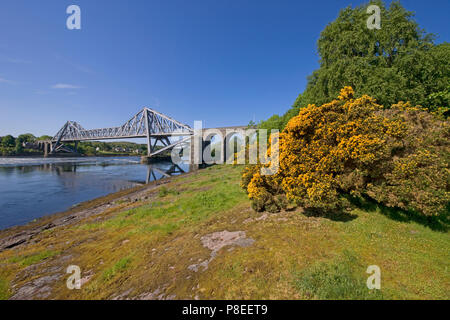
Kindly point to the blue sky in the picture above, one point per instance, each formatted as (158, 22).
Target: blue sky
(225, 62)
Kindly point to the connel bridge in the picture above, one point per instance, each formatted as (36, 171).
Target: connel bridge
(150, 124)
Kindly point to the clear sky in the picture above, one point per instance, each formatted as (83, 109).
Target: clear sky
(225, 62)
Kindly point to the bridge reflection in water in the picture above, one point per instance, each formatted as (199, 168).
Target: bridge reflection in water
(152, 170)
(67, 172)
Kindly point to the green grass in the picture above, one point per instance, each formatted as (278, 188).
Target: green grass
(163, 191)
(118, 267)
(180, 208)
(336, 280)
(138, 247)
(4, 289)
(409, 253)
(34, 258)
(165, 229)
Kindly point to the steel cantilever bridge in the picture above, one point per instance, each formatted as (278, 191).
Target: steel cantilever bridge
(147, 123)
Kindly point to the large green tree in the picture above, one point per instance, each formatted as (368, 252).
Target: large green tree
(398, 62)
(44, 137)
(8, 141)
(27, 137)
(23, 138)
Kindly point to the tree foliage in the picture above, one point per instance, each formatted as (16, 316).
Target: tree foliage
(398, 62)
(7, 145)
(44, 137)
(352, 146)
(8, 141)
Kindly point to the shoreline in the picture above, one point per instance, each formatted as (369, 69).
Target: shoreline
(68, 156)
(18, 235)
(156, 158)
(195, 236)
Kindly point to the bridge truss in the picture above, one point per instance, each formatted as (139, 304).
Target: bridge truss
(147, 123)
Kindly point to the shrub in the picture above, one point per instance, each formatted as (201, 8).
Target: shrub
(353, 146)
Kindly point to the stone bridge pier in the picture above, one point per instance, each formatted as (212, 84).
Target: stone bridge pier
(202, 139)
(47, 146)
(42, 145)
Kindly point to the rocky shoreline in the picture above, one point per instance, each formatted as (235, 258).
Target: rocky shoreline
(19, 235)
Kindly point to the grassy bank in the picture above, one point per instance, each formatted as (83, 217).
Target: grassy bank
(154, 247)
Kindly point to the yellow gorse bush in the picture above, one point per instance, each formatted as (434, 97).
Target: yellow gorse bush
(353, 146)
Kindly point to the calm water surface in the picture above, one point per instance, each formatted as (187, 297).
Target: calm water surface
(33, 187)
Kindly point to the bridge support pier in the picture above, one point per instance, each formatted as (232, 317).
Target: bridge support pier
(47, 148)
(198, 145)
(195, 154)
(146, 160)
